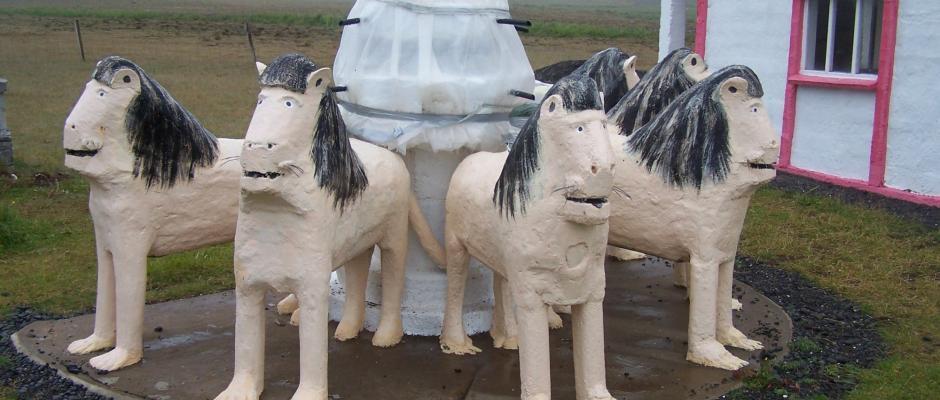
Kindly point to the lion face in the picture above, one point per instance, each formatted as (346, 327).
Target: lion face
(754, 145)
(94, 136)
(578, 162)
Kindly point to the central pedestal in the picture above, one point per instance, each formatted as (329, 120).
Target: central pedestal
(425, 282)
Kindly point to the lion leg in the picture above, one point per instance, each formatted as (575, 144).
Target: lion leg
(454, 339)
(587, 330)
(354, 309)
(504, 329)
(534, 366)
(394, 250)
(314, 337)
(103, 335)
(248, 381)
(130, 294)
(727, 334)
(704, 347)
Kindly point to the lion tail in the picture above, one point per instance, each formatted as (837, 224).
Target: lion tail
(425, 236)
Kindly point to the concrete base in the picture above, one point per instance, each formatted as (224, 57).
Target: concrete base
(189, 351)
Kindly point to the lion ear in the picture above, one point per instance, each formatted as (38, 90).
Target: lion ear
(735, 86)
(261, 67)
(320, 79)
(629, 70)
(125, 78)
(552, 106)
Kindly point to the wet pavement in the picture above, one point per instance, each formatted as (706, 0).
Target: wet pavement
(189, 355)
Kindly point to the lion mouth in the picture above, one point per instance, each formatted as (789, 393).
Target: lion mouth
(265, 175)
(81, 153)
(761, 166)
(597, 202)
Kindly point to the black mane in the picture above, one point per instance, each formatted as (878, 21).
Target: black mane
(336, 166)
(606, 68)
(659, 87)
(689, 140)
(168, 142)
(578, 93)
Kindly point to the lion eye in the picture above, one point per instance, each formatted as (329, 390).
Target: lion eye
(754, 109)
(289, 104)
(101, 93)
(580, 129)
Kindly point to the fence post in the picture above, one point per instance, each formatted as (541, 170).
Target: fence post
(6, 140)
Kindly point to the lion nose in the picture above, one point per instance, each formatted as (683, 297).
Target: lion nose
(260, 145)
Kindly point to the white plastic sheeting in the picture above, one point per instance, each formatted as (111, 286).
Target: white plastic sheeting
(431, 73)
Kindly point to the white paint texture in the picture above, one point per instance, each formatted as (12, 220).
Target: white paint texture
(914, 127)
(833, 131)
(672, 25)
(756, 34)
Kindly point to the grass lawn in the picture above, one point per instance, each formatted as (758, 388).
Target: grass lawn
(888, 265)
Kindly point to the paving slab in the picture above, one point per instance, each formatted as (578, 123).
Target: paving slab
(189, 351)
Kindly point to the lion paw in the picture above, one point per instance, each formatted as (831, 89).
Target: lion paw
(288, 305)
(90, 344)
(710, 353)
(508, 343)
(736, 305)
(735, 338)
(387, 335)
(346, 331)
(115, 359)
(305, 393)
(459, 347)
(240, 389)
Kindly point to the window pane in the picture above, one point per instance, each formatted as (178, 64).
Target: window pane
(818, 29)
(870, 46)
(844, 37)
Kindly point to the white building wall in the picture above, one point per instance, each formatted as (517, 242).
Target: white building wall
(914, 125)
(672, 20)
(833, 131)
(755, 33)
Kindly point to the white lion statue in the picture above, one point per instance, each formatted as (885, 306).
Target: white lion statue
(314, 200)
(541, 225)
(690, 173)
(159, 182)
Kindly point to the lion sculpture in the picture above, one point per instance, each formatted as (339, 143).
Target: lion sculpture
(541, 225)
(313, 200)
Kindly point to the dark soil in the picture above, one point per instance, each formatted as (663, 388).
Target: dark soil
(33, 381)
(926, 215)
(832, 338)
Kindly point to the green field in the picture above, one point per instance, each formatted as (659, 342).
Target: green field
(197, 49)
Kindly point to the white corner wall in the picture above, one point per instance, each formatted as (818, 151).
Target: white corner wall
(833, 131)
(755, 33)
(913, 159)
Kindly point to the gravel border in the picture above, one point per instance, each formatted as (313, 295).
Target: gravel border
(832, 338)
(31, 380)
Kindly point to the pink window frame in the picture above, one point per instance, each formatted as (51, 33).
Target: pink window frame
(882, 86)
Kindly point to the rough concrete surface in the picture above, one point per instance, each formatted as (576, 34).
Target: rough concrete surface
(189, 345)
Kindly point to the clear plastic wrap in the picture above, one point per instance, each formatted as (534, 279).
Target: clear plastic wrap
(431, 73)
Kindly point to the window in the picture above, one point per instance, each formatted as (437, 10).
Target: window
(842, 36)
